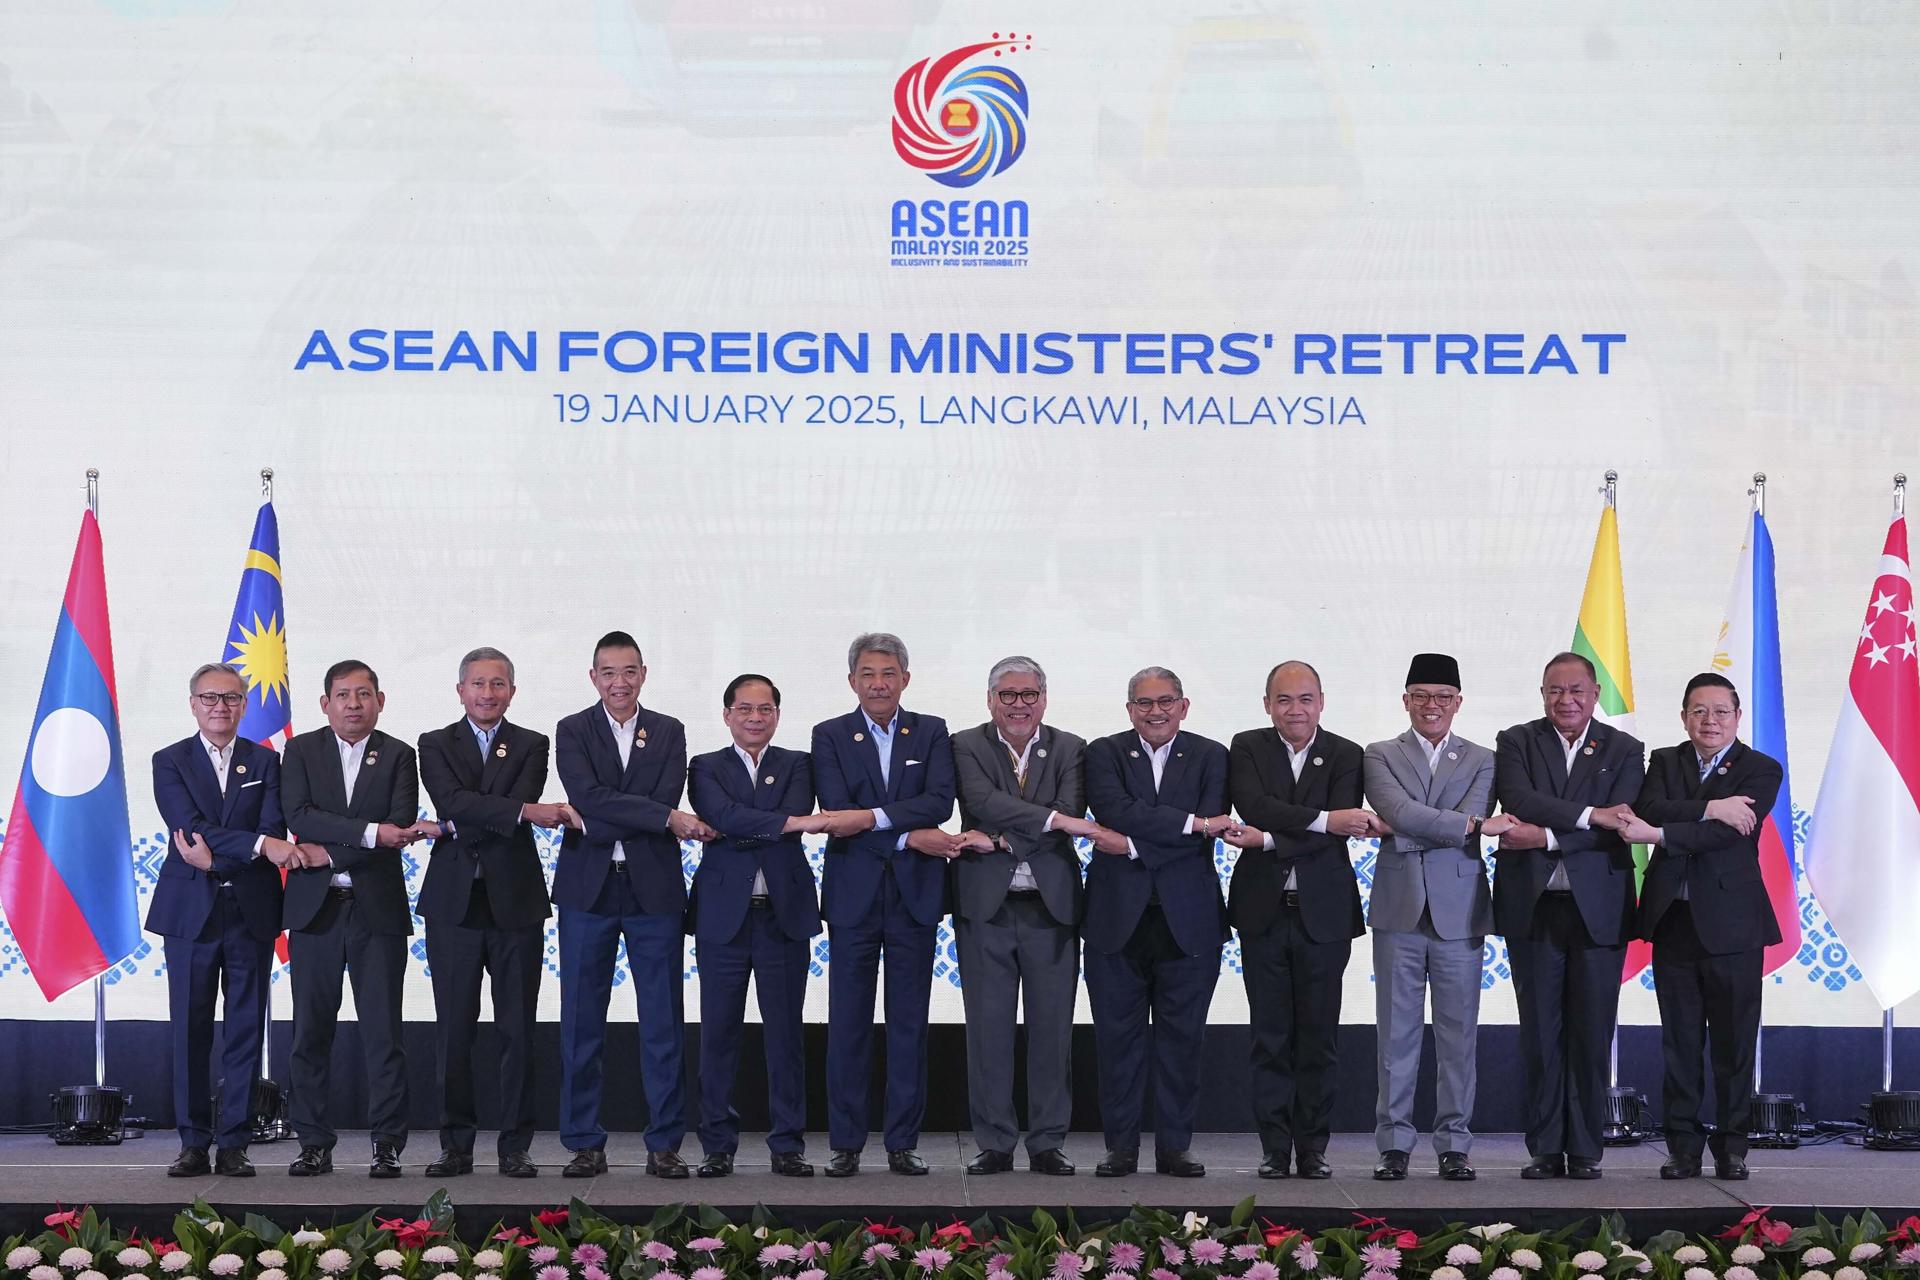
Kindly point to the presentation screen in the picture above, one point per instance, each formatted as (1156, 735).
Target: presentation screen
(1113, 334)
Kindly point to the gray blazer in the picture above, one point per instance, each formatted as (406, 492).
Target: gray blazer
(1425, 863)
(991, 800)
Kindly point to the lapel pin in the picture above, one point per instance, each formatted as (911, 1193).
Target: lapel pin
(1588, 751)
(1179, 755)
(1453, 755)
(768, 779)
(1722, 769)
(240, 768)
(372, 756)
(640, 743)
(641, 732)
(859, 737)
(1317, 762)
(1134, 754)
(500, 751)
(905, 729)
(1041, 752)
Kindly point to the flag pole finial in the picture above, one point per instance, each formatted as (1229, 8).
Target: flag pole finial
(1613, 481)
(93, 491)
(1759, 493)
(1899, 494)
(266, 483)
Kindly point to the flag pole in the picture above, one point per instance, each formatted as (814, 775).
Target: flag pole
(1886, 1015)
(1611, 492)
(1759, 495)
(266, 1026)
(100, 980)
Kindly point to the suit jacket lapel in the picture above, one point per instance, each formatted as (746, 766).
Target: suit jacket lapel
(867, 749)
(1039, 761)
(495, 760)
(1443, 772)
(369, 761)
(1140, 766)
(639, 745)
(1176, 768)
(771, 775)
(239, 774)
(902, 752)
(1583, 760)
(202, 780)
(1553, 752)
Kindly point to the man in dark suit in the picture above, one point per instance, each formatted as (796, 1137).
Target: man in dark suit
(484, 902)
(1015, 911)
(1563, 897)
(353, 799)
(619, 875)
(885, 778)
(1705, 908)
(1154, 920)
(1295, 901)
(216, 904)
(754, 913)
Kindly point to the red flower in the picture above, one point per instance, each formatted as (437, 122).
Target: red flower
(410, 1235)
(551, 1217)
(1401, 1238)
(516, 1237)
(161, 1248)
(887, 1231)
(1906, 1231)
(63, 1222)
(955, 1234)
(1278, 1234)
(1771, 1230)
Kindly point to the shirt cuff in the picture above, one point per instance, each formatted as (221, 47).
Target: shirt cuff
(370, 838)
(881, 822)
(1553, 841)
(259, 843)
(1132, 853)
(1188, 829)
(1319, 825)
(1267, 843)
(1586, 819)
(901, 843)
(1048, 824)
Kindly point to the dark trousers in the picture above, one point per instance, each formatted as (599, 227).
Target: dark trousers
(225, 956)
(656, 966)
(1150, 975)
(889, 931)
(1293, 1004)
(457, 956)
(335, 943)
(1706, 1001)
(778, 966)
(1568, 990)
(1021, 954)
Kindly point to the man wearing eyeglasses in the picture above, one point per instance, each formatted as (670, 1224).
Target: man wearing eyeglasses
(1704, 906)
(1563, 897)
(1430, 913)
(216, 904)
(1155, 923)
(1296, 904)
(1016, 906)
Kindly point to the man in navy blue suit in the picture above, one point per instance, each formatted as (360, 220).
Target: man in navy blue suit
(216, 904)
(885, 779)
(754, 911)
(1154, 921)
(623, 767)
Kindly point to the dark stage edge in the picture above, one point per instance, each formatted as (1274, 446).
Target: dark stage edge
(128, 1184)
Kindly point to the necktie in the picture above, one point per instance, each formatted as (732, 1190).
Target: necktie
(1019, 768)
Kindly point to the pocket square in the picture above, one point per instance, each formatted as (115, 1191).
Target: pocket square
(261, 783)
(910, 762)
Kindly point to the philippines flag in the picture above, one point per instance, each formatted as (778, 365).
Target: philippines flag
(66, 869)
(1749, 655)
(1863, 853)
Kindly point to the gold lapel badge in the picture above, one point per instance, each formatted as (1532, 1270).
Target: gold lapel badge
(500, 751)
(905, 729)
(240, 768)
(859, 737)
(371, 757)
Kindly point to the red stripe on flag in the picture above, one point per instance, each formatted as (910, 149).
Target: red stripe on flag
(1777, 870)
(53, 935)
(86, 602)
(1639, 956)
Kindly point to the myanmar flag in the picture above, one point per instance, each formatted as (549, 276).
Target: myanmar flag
(1601, 638)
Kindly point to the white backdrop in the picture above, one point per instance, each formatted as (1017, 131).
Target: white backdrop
(189, 189)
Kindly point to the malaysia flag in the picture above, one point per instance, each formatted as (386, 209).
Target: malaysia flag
(1863, 853)
(66, 869)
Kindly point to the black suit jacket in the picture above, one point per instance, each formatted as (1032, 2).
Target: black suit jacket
(627, 806)
(1177, 868)
(1719, 866)
(320, 812)
(993, 801)
(748, 811)
(1531, 782)
(482, 798)
(1262, 787)
(187, 793)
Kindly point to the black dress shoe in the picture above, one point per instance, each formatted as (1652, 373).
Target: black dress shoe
(1277, 1164)
(451, 1164)
(907, 1161)
(518, 1164)
(1392, 1167)
(791, 1164)
(991, 1162)
(1454, 1167)
(843, 1163)
(311, 1162)
(588, 1162)
(1544, 1167)
(386, 1161)
(667, 1164)
(1117, 1164)
(1314, 1165)
(1178, 1164)
(1053, 1160)
(718, 1164)
(1584, 1168)
(1678, 1167)
(232, 1162)
(190, 1163)
(1729, 1169)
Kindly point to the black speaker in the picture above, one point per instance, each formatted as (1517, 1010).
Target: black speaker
(88, 1115)
(1777, 1118)
(1626, 1118)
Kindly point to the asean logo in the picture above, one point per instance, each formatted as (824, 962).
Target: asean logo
(958, 123)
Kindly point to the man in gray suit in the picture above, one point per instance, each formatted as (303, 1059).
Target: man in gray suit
(1016, 906)
(1431, 912)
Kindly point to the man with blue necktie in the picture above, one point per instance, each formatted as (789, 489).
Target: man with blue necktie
(885, 777)
(754, 913)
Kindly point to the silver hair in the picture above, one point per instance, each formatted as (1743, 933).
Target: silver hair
(208, 668)
(485, 653)
(1155, 673)
(876, 642)
(1016, 666)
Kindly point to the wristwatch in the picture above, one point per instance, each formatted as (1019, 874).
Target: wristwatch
(1473, 827)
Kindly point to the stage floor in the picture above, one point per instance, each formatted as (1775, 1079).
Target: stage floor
(128, 1183)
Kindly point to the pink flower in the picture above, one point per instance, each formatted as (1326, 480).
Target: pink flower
(999, 1261)
(709, 1273)
(1261, 1271)
(1245, 1252)
(775, 1254)
(1908, 1255)
(1304, 1257)
(707, 1244)
(1207, 1251)
(658, 1250)
(1378, 1275)
(1161, 1273)
(879, 1249)
(666, 1275)
(1067, 1265)
(594, 1271)
(544, 1254)
(589, 1253)
(811, 1273)
(999, 1273)
(1122, 1256)
(811, 1249)
(1172, 1252)
(1380, 1257)
(932, 1259)
(551, 1273)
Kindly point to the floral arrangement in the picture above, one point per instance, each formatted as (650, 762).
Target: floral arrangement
(682, 1243)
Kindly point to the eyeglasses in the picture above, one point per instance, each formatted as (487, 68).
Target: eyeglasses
(1165, 702)
(1420, 698)
(1720, 714)
(1018, 697)
(216, 699)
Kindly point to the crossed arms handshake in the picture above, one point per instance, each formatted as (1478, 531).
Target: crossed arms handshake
(1734, 811)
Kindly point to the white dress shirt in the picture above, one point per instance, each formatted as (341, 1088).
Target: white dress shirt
(1706, 766)
(1297, 760)
(352, 755)
(752, 762)
(222, 758)
(883, 743)
(623, 735)
(1558, 880)
(1158, 757)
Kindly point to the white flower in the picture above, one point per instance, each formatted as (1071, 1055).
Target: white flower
(1491, 1231)
(390, 1278)
(1849, 1273)
(134, 1257)
(44, 1272)
(1463, 1255)
(1738, 1272)
(488, 1259)
(389, 1259)
(1863, 1252)
(25, 1256)
(307, 1235)
(1526, 1259)
(486, 1275)
(89, 1274)
(134, 1275)
(1689, 1255)
(226, 1264)
(440, 1255)
(1449, 1273)
(1814, 1275)
(1748, 1255)
(75, 1258)
(1818, 1256)
(271, 1273)
(178, 1260)
(448, 1275)
(1591, 1277)
(1589, 1260)
(270, 1258)
(1503, 1273)
(1697, 1273)
(1193, 1223)
(335, 1260)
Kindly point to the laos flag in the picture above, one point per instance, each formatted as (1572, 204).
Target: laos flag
(66, 869)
